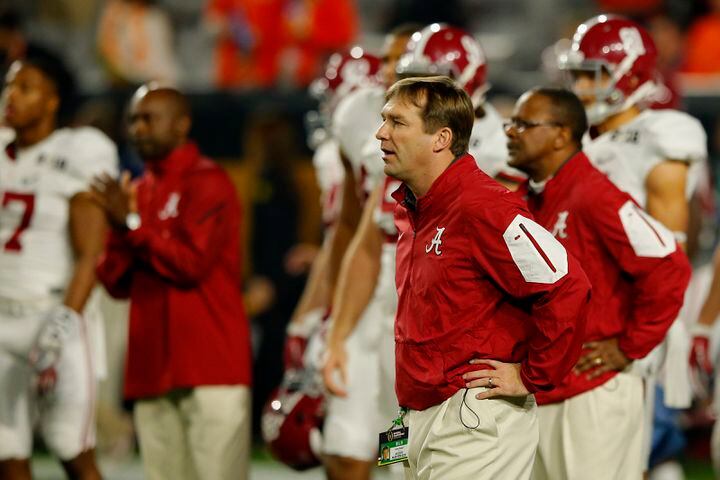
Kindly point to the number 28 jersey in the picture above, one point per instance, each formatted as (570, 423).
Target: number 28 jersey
(36, 186)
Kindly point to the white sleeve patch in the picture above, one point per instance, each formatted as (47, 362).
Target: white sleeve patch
(678, 136)
(648, 237)
(538, 255)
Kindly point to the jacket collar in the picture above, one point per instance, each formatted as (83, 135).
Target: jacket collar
(444, 184)
(568, 172)
(177, 161)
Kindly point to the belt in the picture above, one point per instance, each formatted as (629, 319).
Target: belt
(23, 308)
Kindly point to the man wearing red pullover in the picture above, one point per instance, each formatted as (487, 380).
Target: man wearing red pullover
(174, 251)
(591, 423)
(476, 278)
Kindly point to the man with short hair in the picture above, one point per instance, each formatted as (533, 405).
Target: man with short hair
(477, 278)
(365, 299)
(174, 251)
(591, 423)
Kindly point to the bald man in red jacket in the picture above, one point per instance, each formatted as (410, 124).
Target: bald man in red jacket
(174, 251)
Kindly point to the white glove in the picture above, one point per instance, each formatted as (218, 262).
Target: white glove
(59, 325)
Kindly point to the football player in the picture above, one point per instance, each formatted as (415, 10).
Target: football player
(345, 72)
(353, 420)
(291, 427)
(656, 156)
(51, 234)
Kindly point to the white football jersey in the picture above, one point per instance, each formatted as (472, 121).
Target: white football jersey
(488, 145)
(354, 124)
(36, 185)
(627, 155)
(384, 214)
(329, 174)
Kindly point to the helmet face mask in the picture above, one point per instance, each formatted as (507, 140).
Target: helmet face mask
(593, 84)
(621, 58)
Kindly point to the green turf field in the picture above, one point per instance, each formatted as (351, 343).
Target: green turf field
(265, 468)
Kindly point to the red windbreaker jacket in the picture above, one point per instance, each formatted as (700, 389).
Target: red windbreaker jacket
(181, 270)
(637, 271)
(478, 278)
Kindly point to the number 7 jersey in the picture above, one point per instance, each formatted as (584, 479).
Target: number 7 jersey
(36, 186)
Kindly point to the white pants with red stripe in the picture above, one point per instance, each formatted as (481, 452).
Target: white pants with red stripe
(65, 418)
(352, 423)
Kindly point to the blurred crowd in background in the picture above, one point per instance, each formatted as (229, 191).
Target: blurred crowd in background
(246, 65)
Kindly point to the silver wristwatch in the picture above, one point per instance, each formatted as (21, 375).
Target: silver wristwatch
(132, 221)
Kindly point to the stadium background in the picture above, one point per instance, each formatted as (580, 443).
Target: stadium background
(246, 65)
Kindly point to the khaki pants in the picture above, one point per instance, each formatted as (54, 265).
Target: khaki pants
(596, 435)
(465, 438)
(201, 433)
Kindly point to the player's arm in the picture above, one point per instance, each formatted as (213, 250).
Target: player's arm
(115, 267)
(87, 230)
(87, 226)
(350, 211)
(701, 331)
(310, 310)
(711, 308)
(356, 283)
(316, 292)
(666, 201)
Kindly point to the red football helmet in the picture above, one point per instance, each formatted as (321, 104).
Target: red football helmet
(440, 49)
(293, 416)
(623, 50)
(292, 421)
(344, 72)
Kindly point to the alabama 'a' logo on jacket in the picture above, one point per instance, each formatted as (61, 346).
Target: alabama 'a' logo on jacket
(559, 230)
(170, 210)
(436, 242)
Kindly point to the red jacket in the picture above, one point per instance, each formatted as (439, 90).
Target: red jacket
(637, 271)
(478, 278)
(181, 270)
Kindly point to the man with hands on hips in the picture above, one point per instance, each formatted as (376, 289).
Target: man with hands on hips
(476, 278)
(591, 423)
